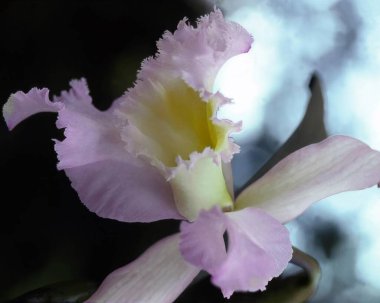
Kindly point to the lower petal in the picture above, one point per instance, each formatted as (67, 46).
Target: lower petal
(259, 248)
(202, 242)
(159, 275)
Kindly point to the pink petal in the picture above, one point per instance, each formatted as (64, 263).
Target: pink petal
(91, 135)
(312, 173)
(202, 242)
(21, 106)
(262, 247)
(196, 54)
(259, 248)
(159, 275)
(109, 180)
(124, 191)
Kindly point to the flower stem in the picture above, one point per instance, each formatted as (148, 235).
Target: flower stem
(311, 268)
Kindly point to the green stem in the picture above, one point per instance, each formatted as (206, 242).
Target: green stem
(312, 270)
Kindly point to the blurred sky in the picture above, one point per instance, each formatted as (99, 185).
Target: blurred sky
(340, 41)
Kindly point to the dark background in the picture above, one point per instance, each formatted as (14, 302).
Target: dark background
(47, 235)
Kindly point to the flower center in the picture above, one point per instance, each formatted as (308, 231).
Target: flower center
(169, 119)
(175, 128)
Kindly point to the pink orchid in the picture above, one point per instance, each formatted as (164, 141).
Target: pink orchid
(161, 153)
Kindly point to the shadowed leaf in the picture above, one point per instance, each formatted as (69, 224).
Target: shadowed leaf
(310, 130)
(63, 292)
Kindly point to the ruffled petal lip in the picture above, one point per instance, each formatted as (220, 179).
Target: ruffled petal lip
(258, 248)
(20, 105)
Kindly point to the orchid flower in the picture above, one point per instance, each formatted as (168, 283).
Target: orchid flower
(160, 152)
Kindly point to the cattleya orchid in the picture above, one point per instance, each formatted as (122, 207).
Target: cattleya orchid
(160, 152)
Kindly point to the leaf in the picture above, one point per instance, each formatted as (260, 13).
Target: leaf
(62, 292)
(310, 130)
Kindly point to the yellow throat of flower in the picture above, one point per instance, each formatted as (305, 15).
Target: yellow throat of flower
(176, 128)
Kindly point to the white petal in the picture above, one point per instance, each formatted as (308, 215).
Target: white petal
(312, 173)
(159, 275)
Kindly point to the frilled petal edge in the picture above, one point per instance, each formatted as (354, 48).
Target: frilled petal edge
(109, 180)
(195, 54)
(335, 165)
(159, 275)
(20, 105)
(258, 248)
